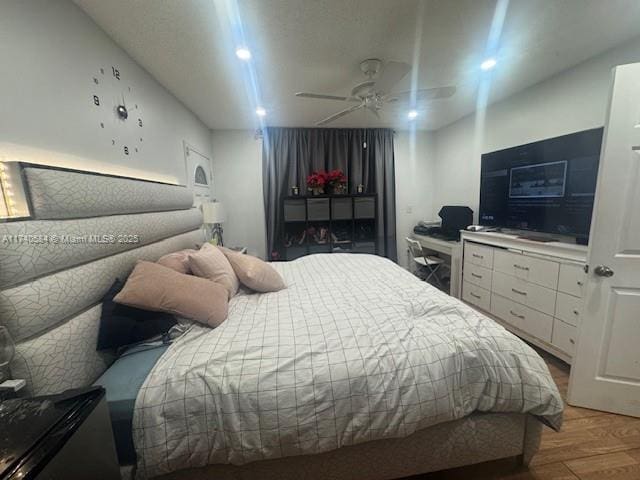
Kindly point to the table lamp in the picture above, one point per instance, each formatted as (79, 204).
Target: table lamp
(214, 215)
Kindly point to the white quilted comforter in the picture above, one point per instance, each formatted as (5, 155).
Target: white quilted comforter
(355, 349)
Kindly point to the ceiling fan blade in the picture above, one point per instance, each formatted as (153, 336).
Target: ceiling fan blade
(322, 96)
(423, 94)
(392, 73)
(342, 113)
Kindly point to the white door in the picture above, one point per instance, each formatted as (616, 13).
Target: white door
(606, 370)
(199, 175)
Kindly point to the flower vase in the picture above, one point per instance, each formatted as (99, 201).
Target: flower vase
(317, 191)
(339, 189)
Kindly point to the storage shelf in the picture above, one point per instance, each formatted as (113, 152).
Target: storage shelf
(347, 217)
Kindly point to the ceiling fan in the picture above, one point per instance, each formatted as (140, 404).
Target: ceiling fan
(373, 93)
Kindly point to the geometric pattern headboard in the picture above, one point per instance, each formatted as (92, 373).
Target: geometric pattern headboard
(86, 230)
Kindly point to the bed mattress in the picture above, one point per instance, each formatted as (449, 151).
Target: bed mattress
(354, 349)
(122, 381)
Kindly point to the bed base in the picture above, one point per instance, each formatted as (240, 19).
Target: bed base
(474, 439)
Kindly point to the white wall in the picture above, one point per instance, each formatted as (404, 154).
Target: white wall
(49, 53)
(237, 178)
(414, 161)
(569, 102)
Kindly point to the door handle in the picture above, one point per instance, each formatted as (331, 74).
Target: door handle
(603, 271)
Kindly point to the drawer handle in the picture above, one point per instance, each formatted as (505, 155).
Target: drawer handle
(576, 312)
(580, 283)
(520, 267)
(516, 315)
(477, 256)
(572, 341)
(519, 292)
(476, 275)
(475, 296)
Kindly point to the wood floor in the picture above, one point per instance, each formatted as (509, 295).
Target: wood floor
(592, 445)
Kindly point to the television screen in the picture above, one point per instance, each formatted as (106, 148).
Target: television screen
(546, 186)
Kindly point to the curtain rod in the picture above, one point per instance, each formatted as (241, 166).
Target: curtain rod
(259, 134)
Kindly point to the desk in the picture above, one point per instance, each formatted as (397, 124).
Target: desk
(449, 248)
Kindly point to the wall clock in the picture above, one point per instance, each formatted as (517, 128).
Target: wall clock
(118, 111)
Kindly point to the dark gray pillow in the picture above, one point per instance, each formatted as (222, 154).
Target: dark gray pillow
(121, 325)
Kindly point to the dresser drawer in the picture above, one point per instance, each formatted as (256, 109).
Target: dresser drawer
(568, 308)
(477, 275)
(478, 254)
(526, 293)
(476, 295)
(534, 270)
(534, 323)
(564, 336)
(571, 279)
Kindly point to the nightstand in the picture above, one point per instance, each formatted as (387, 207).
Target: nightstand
(66, 436)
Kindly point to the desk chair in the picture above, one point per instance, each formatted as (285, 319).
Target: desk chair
(425, 262)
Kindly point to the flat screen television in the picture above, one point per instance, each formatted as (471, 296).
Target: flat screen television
(546, 186)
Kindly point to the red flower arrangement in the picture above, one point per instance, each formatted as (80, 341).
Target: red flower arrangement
(317, 180)
(336, 179)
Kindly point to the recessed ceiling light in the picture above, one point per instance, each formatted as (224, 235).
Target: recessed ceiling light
(488, 64)
(412, 114)
(261, 112)
(243, 53)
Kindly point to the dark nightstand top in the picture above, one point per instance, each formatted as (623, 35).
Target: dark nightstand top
(33, 430)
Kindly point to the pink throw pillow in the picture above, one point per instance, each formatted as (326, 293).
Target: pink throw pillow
(211, 263)
(154, 287)
(178, 261)
(254, 273)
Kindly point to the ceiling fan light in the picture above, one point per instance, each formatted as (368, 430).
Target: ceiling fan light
(243, 53)
(412, 115)
(488, 64)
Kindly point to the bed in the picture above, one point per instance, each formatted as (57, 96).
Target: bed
(356, 370)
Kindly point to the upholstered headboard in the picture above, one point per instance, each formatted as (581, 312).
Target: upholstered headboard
(85, 231)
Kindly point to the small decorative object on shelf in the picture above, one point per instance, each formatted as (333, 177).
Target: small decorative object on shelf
(360, 188)
(337, 181)
(316, 182)
(295, 191)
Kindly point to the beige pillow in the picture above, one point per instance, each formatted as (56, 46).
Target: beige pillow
(210, 263)
(254, 273)
(154, 287)
(178, 261)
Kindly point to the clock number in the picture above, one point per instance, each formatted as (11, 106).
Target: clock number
(139, 122)
(116, 72)
(126, 150)
(96, 101)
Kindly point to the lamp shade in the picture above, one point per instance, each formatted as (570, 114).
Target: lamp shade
(213, 212)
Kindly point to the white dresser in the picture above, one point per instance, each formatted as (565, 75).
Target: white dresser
(534, 289)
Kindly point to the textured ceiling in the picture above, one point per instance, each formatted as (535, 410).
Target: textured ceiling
(317, 45)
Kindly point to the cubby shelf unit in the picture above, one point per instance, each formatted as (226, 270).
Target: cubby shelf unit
(350, 221)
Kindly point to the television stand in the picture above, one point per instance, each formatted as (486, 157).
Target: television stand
(534, 289)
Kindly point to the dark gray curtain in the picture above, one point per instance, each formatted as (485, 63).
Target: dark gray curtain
(364, 155)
